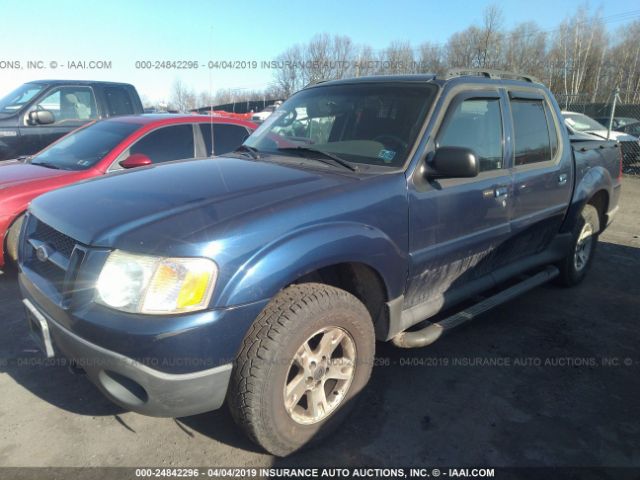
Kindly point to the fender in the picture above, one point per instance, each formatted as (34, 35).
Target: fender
(597, 179)
(302, 251)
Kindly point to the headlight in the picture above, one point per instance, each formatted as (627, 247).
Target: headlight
(156, 285)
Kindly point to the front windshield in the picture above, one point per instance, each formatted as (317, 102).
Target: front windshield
(84, 148)
(17, 99)
(632, 129)
(582, 123)
(365, 123)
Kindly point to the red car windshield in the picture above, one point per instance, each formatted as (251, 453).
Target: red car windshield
(84, 148)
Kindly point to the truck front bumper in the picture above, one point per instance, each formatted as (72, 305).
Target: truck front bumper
(168, 374)
(129, 383)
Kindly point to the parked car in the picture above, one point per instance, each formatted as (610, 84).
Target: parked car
(631, 129)
(618, 122)
(38, 113)
(579, 122)
(262, 115)
(266, 276)
(104, 147)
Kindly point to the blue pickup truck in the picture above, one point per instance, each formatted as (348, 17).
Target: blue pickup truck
(358, 211)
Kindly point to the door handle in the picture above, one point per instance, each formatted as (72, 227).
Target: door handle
(562, 179)
(501, 192)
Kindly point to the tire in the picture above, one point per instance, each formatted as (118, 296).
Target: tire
(13, 235)
(272, 356)
(574, 267)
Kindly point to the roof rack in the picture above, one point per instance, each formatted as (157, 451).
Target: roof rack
(494, 74)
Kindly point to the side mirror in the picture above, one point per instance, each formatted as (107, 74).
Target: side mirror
(136, 160)
(41, 117)
(453, 162)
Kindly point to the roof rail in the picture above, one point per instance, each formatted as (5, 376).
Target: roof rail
(494, 74)
(316, 82)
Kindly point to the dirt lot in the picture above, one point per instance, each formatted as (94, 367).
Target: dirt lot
(550, 379)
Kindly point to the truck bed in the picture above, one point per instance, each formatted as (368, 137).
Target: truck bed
(590, 153)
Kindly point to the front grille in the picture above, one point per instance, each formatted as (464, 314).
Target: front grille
(56, 240)
(59, 248)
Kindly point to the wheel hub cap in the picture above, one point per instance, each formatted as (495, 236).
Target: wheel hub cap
(583, 247)
(320, 375)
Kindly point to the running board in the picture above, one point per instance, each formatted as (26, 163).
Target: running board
(434, 331)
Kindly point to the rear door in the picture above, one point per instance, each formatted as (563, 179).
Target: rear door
(118, 101)
(542, 186)
(457, 223)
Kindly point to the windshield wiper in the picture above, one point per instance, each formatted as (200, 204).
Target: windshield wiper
(46, 165)
(253, 152)
(335, 158)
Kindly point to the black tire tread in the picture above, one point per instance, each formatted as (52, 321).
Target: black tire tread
(264, 339)
(11, 242)
(568, 277)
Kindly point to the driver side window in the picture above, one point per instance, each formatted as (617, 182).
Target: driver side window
(70, 105)
(475, 123)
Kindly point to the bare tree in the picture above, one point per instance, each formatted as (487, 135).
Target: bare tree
(525, 50)
(398, 58)
(489, 47)
(183, 98)
(576, 59)
(431, 59)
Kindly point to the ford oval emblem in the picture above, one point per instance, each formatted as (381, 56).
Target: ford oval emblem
(42, 253)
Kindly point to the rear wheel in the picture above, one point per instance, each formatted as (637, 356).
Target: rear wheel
(575, 266)
(13, 235)
(302, 363)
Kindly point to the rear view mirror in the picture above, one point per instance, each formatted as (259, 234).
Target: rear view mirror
(41, 117)
(136, 160)
(453, 162)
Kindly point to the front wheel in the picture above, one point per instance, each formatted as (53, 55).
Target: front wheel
(13, 235)
(302, 363)
(574, 267)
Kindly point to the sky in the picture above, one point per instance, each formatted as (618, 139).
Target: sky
(124, 32)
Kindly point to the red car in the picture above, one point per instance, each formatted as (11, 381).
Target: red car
(106, 146)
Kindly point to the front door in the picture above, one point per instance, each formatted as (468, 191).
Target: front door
(457, 224)
(71, 108)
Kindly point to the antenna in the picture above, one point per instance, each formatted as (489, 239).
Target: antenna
(212, 152)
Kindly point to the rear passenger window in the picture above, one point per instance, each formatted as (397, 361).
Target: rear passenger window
(166, 144)
(118, 101)
(531, 132)
(226, 138)
(475, 123)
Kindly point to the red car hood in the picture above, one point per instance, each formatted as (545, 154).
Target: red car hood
(14, 173)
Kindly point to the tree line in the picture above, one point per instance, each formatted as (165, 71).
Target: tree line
(579, 60)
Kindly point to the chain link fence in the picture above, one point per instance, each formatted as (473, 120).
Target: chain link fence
(619, 116)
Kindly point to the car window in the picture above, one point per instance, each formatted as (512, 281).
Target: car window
(475, 123)
(166, 144)
(17, 99)
(70, 105)
(531, 132)
(228, 137)
(85, 147)
(372, 124)
(118, 101)
(582, 123)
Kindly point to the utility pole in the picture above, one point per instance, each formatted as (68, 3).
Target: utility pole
(613, 111)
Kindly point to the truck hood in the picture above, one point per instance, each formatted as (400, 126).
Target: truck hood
(619, 136)
(196, 194)
(14, 173)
